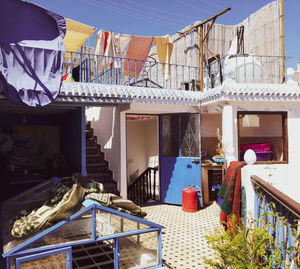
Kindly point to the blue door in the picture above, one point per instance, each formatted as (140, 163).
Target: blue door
(180, 161)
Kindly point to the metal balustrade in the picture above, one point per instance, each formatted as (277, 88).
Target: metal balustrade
(91, 68)
(282, 216)
(143, 188)
(245, 68)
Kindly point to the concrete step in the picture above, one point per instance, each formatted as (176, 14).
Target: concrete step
(95, 146)
(91, 150)
(96, 155)
(89, 133)
(101, 176)
(102, 163)
(97, 168)
(92, 141)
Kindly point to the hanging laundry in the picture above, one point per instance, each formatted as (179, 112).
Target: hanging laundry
(31, 55)
(109, 51)
(164, 47)
(100, 41)
(100, 47)
(137, 52)
(105, 49)
(120, 42)
(77, 33)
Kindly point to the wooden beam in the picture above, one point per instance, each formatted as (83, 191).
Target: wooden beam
(206, 21)
(209, 28)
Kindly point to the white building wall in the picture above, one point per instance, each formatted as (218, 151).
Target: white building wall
(284, 177)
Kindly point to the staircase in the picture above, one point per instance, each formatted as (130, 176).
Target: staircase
(96, 166)
(145, 187)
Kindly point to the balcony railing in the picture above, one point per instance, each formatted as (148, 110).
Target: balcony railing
(245, 68)
(91, 68)
(282, 216)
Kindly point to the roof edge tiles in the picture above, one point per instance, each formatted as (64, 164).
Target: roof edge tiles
(252, 92)
(92, 92)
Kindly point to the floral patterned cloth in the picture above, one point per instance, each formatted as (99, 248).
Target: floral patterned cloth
(230, 190)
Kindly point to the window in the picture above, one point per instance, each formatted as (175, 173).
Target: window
(265, 133)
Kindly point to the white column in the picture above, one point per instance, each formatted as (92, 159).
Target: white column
(228, 133)
(123, 157)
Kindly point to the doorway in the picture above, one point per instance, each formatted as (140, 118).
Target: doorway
(142, 158)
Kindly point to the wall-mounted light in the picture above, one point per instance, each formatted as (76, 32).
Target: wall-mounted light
(218, 108)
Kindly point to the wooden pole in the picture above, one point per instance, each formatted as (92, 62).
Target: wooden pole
(202, 38)
(201, 59)
(282, 40)
(206, 21)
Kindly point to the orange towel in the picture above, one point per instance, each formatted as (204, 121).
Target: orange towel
(138, 49)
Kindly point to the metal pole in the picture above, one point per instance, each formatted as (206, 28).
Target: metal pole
(282, 40)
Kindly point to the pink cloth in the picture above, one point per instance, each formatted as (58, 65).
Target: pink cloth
(138, 49)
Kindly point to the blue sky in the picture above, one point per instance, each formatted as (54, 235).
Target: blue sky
(160, 17)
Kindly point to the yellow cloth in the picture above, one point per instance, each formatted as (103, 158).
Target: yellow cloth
(164, 47)
(77, 34)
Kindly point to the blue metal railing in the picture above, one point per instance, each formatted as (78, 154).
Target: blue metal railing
(281, 214)
(242, 68)
(245, 68)
(91, 68)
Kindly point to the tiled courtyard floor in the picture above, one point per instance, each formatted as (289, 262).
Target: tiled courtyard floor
(184, 245)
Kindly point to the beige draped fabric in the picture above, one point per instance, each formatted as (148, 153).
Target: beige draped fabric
(77, 33)
(164, 47)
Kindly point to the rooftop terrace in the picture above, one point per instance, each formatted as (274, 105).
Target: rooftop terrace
(242, 68)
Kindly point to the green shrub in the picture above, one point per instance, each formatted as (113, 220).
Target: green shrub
(249, 247)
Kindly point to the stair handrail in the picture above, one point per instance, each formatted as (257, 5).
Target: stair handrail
(137, 195)
(142, 174)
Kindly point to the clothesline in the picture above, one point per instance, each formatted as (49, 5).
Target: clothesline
(112, 44)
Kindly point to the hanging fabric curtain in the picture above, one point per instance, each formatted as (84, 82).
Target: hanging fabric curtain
(136, 54)
(164, 47)
(77, 34)
(109, 45)
(31, 53)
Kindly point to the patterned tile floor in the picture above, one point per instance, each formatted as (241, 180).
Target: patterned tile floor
(184, 245)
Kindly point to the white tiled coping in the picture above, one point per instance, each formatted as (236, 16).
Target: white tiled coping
(92, 92)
